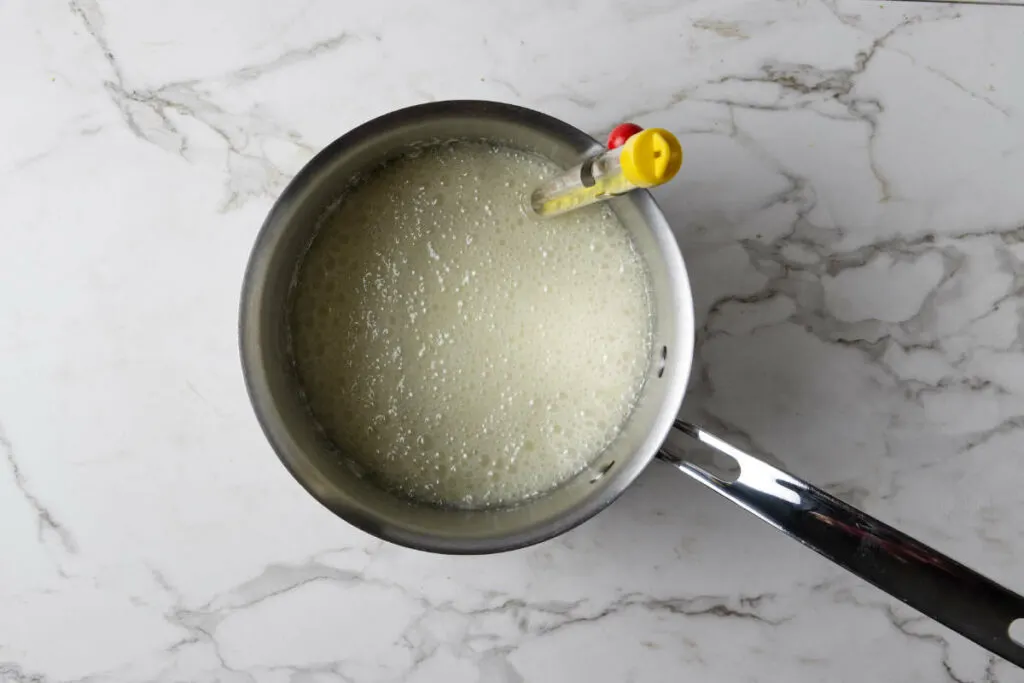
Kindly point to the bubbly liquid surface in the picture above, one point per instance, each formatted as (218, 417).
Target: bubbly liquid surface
(462, 351)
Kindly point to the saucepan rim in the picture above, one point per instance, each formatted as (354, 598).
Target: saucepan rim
(263, 401)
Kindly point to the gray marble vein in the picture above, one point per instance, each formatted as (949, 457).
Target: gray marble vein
(852, 224)
(47, 525)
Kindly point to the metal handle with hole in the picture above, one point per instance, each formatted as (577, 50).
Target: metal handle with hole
(923, 578)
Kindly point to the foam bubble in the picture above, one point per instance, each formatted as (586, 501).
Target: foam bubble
(460, 350)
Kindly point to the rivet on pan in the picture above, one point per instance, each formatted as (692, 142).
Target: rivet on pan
(603, 471)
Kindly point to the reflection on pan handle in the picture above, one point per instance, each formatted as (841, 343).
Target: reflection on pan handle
(927, 580)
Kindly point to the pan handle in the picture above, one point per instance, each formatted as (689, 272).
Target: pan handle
(910, 571)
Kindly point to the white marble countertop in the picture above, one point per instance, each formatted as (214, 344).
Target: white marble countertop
(852, 215)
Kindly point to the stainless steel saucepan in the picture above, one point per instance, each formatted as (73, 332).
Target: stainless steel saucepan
(910, 571)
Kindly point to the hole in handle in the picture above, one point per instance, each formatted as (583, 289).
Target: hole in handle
(718, 465)
(1016, 631)
(724, 467)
